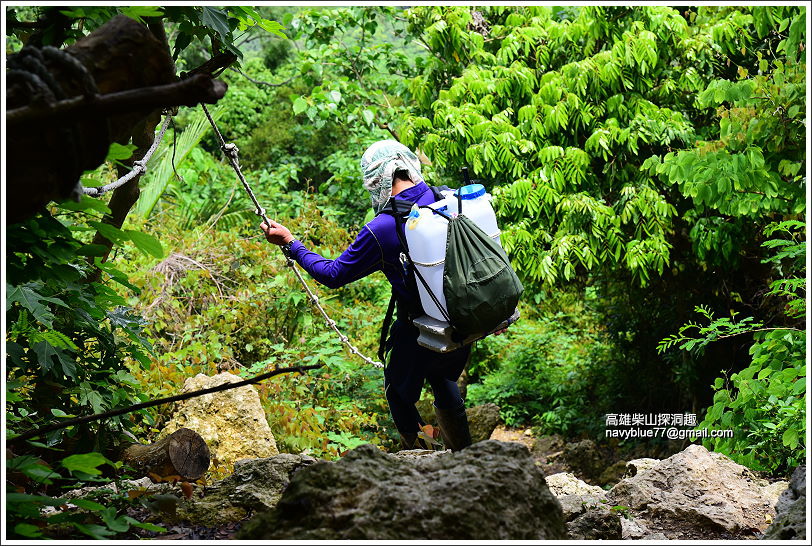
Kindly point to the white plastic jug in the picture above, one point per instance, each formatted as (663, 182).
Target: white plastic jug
(426, 234)
(476, 205)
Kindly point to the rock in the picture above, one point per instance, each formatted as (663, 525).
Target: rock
(790, 520)
(255, 486)
(613, 474)
(636, 466)
(482, 421)
(565, 483)
(774, 490)
(697, 493)
(232, 422)
(369, 494)
(586, 513)
(584, 460)
(596, 523)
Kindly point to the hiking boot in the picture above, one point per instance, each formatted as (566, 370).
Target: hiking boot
(411, 440)
(453, 425)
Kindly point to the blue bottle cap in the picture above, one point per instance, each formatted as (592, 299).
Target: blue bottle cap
(471, 191)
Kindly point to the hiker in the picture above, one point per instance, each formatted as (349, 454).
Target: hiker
(392, 171)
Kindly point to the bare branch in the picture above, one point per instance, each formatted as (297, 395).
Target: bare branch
(143, 405)
(197, 89)
(259, 82)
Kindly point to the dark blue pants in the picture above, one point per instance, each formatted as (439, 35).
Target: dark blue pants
(409, 366)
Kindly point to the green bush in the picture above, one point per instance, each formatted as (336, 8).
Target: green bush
(543, 372)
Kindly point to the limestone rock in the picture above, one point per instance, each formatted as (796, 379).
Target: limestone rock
(232, 422)
(565, 483)
(482, 421)
(255, 486)
(636, 466)
(790, 521)
(490, 490)
(695, 494)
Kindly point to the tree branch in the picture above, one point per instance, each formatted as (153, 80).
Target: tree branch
(190, 92)
(143, 405)
(259, 82)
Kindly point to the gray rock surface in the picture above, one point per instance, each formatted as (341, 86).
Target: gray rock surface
(586, 512)
(597, 522)
(585, 460)
(488, 491)
(255, 486)
(695, 494)
(482, 420)
(790, 520)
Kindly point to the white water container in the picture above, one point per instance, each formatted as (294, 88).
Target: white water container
(426, 235)
(476, 205)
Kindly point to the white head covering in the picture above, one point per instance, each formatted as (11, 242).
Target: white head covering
(378, 166)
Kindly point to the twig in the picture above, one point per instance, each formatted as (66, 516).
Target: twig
(259, 82)
(143, 405)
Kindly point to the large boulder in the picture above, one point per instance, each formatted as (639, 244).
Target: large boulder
(232, 422)
(790, 520)
(488, 491)
(695, 494)
(482, 420)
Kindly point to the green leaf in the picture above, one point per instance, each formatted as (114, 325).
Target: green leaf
(86, 462)
(217, 20)
(120, 151)
(92, 250)
(32, 301)
(88, 505)
(86, 203)
(299, 105)
(146, 243)
(272, 27)
(336, 96)
(790, 438)
(94, 531)
(27, 530)
(137, 12)
(110, 232)
(369, 117)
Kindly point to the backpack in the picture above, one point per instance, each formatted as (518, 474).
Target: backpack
(481, 289)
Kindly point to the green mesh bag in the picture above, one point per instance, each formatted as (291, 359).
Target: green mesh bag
(480, 287)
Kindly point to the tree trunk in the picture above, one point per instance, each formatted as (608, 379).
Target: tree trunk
(183, 453)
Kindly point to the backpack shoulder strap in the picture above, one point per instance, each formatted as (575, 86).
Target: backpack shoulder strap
(387, 325)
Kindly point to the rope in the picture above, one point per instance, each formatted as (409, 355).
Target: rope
(139, 167)
(231, 151)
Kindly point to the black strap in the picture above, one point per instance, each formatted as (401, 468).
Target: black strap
(398, 208)
(405, 245)
(387, 324)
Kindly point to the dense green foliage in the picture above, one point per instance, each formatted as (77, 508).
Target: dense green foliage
(645, 163)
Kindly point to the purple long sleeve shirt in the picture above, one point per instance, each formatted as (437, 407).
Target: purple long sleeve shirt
(376, 248)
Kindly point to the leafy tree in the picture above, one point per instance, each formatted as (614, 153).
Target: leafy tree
(611, 162)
